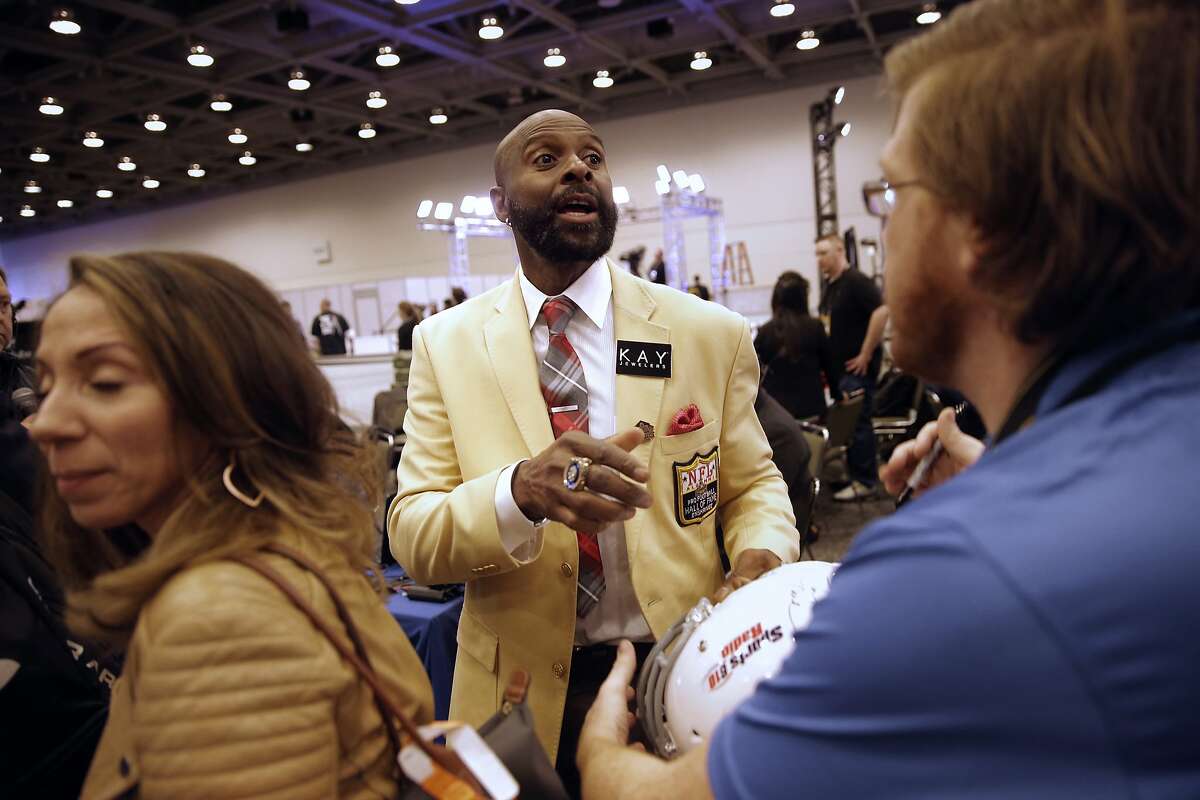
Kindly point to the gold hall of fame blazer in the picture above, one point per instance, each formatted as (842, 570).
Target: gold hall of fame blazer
(475, 406)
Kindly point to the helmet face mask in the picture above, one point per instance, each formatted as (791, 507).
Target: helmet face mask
(711, 660)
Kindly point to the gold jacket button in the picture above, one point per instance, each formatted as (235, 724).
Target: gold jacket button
(566, 570)
(559, 670)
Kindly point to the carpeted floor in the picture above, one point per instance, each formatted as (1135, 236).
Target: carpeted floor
(841, 522)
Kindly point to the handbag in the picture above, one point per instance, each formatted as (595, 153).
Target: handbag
(509, 732)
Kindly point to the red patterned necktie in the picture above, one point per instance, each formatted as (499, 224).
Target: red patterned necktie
(565, 388)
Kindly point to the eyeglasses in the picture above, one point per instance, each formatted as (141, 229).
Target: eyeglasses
(880, 196)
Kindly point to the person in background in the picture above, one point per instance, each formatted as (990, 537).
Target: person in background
(409, 317)
(658, 268)
(794, 351)
(330, 328)
(179, 409)
(1001, 636)
(699, 289)
(791, 454)
(458, 295)
(13, 374)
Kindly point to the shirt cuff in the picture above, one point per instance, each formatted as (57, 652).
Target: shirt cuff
(521, 537)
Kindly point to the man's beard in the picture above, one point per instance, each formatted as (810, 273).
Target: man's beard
(562, 242)
(928, 327)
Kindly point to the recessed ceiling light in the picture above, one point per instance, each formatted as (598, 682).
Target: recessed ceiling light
(31, 187)
(407, 2)
(238, 136)
(27, 211)
(554, 58)
(92, 139)
(489, 27)
(366, 131)
(247, 159)
(782, 8)
(50, 107)
(808, 41)
(155, 123)
(700, 60)
(126, 164)
(929, 14)
(220, 103)
(602, 80)
(199, 56)
(196, 171)
(387, 57)
(298, 82)
(63, 21)
(65, 203)
(438, 116)
(149, 183)
(304, 147)
(39, 156)
(376, 99)
(104, 193)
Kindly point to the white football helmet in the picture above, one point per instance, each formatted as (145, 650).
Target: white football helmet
(711, 660)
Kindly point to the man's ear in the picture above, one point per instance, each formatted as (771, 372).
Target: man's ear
(969, 243)
(500, 203)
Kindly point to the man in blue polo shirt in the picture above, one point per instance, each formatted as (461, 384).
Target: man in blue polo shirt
(1027, 629)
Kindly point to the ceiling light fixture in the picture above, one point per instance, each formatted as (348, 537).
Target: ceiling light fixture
(92, 139)
(443, 211)
(65, 203)
(125, 164)
(808, 41)
(50, 107)
(39, 156)
(238, 136)
(63, 21)
(366, 131)
(298, 82)
(700, 60)
(929, 14)
(407, 2)
(489, 27)
(196, 171)
(247, 159)
(554, 58)
(602, 80)
(376, 99)
(387, 57)
(304, 146)
(104, 193)
(220, 103)
(620, 195)
(696, 183)
(845, 129)
(155, 123)
(27, 211)
(837, 94)
(31, 187)
(199, 56)
(782, 8)
(424, 209)
(149, 183)
(438, 116)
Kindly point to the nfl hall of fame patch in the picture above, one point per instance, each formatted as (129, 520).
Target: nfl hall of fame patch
(696, 488)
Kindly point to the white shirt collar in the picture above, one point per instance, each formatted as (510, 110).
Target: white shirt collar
(591, 291)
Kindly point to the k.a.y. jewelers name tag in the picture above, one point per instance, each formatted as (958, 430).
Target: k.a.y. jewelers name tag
(645, 359)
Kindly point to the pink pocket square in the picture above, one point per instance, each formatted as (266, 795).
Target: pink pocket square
(685, 420)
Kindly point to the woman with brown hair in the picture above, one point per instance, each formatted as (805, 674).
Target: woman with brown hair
(794, 351)
(185, 427)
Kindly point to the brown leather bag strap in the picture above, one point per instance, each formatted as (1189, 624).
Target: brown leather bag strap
(440, 756)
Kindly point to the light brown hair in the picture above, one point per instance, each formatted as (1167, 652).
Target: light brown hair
(1069, 132)
(239, 380)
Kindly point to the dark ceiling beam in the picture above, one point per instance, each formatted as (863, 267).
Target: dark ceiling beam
(726, 26)
(864, 23)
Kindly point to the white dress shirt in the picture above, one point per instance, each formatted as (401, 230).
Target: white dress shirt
(591, 333)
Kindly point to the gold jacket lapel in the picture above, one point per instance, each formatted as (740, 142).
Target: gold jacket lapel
(510, 348)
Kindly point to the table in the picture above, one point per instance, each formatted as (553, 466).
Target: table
(433, 630)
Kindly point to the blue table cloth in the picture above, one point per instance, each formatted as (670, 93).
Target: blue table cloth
(433, 630)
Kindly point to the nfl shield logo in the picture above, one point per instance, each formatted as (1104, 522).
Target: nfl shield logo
(696, 484)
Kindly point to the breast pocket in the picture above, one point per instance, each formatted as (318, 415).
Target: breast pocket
(692, 440)
(695, 459)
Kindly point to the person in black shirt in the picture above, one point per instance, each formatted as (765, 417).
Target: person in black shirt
(408, 322)
(13, 374)
(699, 289)
(794, 351)
(857, 317)
(329, 328)
(658, 270)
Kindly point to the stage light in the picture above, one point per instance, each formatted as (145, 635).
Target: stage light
(700, 60)
(63, 21)
(91, 139)
(438, 116)
(424, 209)
(838, 94)
(31, 187)
(662, 187)
(150, 183)
(808, 41)
(27, 211)
(376, 99)
(304, 147)
(155, 123)
(602, 80)
(104, 193)
(929, 14)
(489, 27)
(298, 82)
(196, 171)
(366, 131)
(681, 178)
(39, 156)
(443, 211)
(663, 173)
(554, 58)
(65, 203)
(238, 136)
(50, 107)
(247, 159)
(483, 207)
(844, 130)
(199, 56)
(220, 102)
(696, 183)
(620, 195)
(467, 206)
(782, 8)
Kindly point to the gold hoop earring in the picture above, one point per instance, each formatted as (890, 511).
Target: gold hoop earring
(238, 494)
